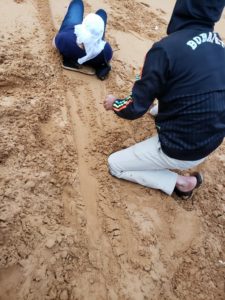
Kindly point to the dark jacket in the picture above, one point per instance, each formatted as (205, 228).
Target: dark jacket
(66, 44)
(185, 71)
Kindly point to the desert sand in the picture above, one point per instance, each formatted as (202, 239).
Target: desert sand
(68, 230)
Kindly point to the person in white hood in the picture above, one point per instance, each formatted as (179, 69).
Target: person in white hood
(81, 42)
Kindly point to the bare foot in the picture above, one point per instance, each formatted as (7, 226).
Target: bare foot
(186, 183)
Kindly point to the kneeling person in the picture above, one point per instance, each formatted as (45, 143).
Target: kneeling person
(81, 41)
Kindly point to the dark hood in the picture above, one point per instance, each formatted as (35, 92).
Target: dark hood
(189, 13)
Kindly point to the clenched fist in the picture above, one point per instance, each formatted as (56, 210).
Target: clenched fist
(108, 103)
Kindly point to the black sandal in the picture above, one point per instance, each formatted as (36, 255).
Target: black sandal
(187, 195)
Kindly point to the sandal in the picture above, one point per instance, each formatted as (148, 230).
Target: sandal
(188, 195)
(71, 65)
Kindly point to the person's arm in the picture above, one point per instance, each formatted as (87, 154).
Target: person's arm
(145, 90)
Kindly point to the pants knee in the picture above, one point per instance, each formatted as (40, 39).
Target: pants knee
(112, 165)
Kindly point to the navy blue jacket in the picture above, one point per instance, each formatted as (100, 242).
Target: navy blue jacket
(185, 71)
(66, 44)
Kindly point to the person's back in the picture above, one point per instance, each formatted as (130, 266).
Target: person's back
(191, 118)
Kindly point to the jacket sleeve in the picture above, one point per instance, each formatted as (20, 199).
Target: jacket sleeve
(146, 89)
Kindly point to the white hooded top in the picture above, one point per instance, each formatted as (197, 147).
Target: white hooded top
(90, 34)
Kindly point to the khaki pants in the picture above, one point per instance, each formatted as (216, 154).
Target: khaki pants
(146, 164)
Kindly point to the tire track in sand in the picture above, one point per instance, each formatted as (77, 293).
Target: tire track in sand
(77, 88)
(88, 184)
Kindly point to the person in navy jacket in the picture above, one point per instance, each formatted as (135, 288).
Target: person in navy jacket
(81, 42)
(185, 71)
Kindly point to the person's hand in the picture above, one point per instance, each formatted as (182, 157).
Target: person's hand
(108, 103)
(154, 110)
(81, 46)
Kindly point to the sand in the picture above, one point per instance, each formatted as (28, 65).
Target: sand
(68, 230)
